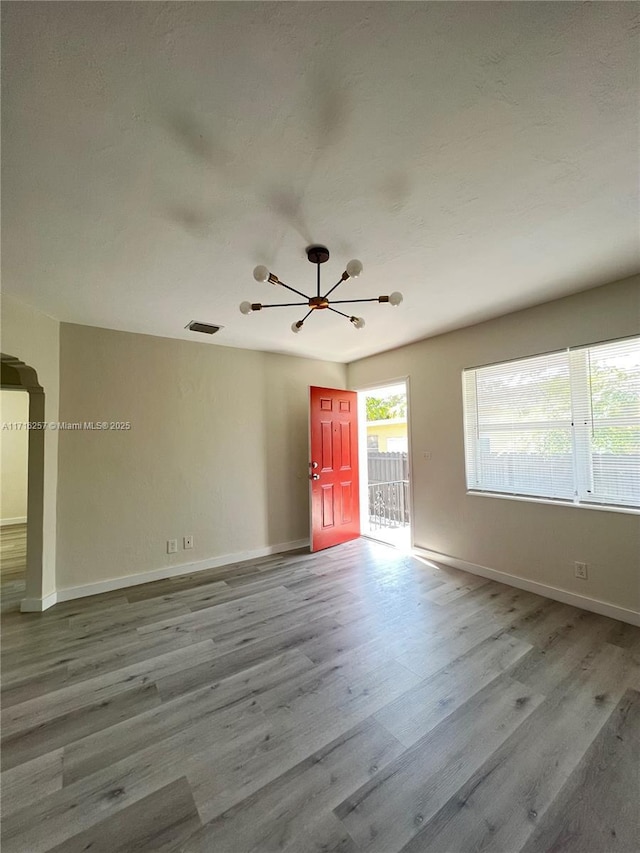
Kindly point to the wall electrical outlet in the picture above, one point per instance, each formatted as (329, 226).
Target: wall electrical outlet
(580, 570)
(426, 454)
(187, 542)
(172, 546)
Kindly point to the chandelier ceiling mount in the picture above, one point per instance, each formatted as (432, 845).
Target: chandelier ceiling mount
(317, 255)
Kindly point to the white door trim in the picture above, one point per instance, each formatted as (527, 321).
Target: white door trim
(362, 448)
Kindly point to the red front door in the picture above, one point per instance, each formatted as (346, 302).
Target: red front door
(335, 498)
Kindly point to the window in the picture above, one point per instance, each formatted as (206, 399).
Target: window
(372, 442)
(565, 425)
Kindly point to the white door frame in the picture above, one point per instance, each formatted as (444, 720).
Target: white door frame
(362, 450)
(18, 376)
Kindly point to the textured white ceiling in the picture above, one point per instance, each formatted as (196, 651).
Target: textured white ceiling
(479, 157)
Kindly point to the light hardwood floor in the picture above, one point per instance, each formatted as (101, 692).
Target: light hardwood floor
(353, 700)
(13, 565)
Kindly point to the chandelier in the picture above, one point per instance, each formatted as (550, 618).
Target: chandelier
(317, 255)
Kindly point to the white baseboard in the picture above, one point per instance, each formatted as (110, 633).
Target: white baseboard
(37, 605)
(7, 522)
(98, 587)
(603, 608)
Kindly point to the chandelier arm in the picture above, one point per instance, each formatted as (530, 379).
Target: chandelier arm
(293, 290)
(309, 312)
(334, 287)
(345, 301)
(285, 304)
(341, 313)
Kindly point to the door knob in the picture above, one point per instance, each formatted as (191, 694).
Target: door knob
(313, 464)
(314, 477)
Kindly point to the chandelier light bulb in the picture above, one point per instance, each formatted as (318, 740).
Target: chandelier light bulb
(295, 327)
(245, 308)
(261, 273)
(358, 322)
(354, 268)
(395, 298)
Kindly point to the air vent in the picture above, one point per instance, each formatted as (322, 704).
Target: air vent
(205, 328)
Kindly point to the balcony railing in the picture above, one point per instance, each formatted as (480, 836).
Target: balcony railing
(389, 504)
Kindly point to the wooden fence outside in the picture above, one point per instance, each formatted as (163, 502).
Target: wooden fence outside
(387, 467)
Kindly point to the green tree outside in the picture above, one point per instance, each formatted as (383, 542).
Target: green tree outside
(386, 408)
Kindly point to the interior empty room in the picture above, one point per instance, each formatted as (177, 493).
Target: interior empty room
(320, 443)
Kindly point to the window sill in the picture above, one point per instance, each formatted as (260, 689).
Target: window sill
(625, 510)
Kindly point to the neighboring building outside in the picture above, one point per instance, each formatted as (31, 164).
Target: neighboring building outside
(387, 436)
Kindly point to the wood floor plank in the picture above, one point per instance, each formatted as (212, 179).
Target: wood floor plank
(562, 650)
(88, 663)
(499, 806)
(305, 713)
(237, 612)
(40, 710)
(31, 781)
(420, 709)
(595, 809)
(91, 799)
(21, 689)
(90, 754)
(323, 834)
(426, 655)
(96, 662)
(390, 809)
(448, 592)
(624, 635)
(65, 649)
(65, 728)
(347, 684)
(223, 664)
(302, 795)
(137, 615)
(161, 822)
(230, 637)
(190, 595)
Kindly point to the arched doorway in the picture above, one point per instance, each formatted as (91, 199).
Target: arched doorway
(18, 375)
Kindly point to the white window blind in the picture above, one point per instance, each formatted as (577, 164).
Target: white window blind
(564, 425)
(606, 382)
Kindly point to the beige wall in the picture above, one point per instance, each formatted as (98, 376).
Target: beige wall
(534, 541)
(217, 449)
(14, 446)
(34, 338)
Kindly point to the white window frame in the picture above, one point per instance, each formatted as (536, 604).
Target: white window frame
(581, 435)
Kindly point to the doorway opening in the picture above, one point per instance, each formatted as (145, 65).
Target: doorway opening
(14, 450)
(385, 504)
(18, 377)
